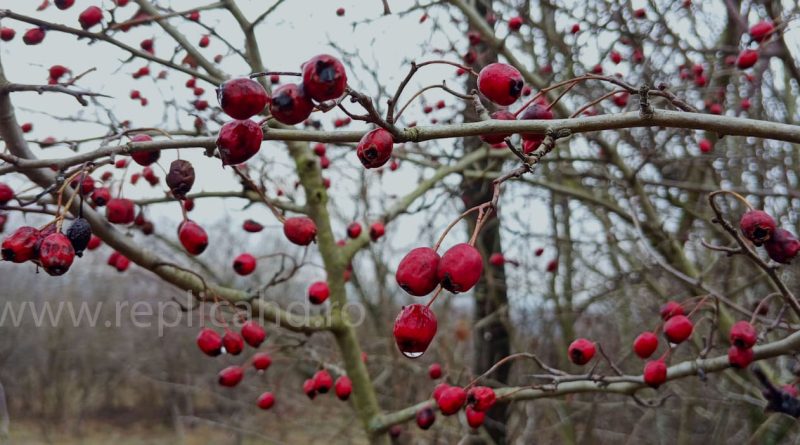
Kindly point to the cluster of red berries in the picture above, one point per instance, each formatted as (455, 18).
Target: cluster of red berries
(321, 383)
(47, 247)
(760, 228)
(742, 337)
(450, 399)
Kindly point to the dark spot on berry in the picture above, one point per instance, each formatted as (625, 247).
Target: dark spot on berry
(326, 71)
(515, 88)
(284, 101)
(371, 152)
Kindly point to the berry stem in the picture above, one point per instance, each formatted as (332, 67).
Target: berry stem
(435, 294)
(741, 198)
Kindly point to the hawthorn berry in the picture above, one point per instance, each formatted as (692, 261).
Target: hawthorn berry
(119, 261)
(375, 148)
(434, 371)
(252, 226)
(242, 98)
(740, 357)
(438, 390)
(318, 292)
(120, 211)
(501, 83)
(233, 343)
(7, 34)
(319, 149)
(253, 333)
(460, 268)
(581, 351)
(535, 112)
(655, 373)
(395, 431)
(451, 400)
(20, 246)
(230, 376)
(290, 105)
(265, 400)
(743, 335)
(324, 78)
(497, 259)
(475, 418)
(576, 28)
(705, 146)
(615, 57)
(414, 329)
(239, 141)
(33, 36)
(94, 242)
(782, 246)
(204, 41)
(144, 158)
(502, 115)
(300, 230)
(261, 361)
(79, 235)
(645, 344)
(678, 328)
(180, 178)
(322, 381)
(340, 11)
(90, 16)
(343, 387)
(376, 231)
(417, 272)
(425, 418)
(57, 71)
(353, 230)
(746, 59)
(209, 341)
(6, 194)
(310, 388)
(193, 238)
(63, 4)
(515, 23)
(670, 309)
(481, 398)
(244, 264)
(761, 30)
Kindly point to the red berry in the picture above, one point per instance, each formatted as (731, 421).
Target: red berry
(318, 292)
(340, 11)
(706, 146)
(581, 351)
(90, 17)
(244, 264)
(353, 230)
(300, 230)
(239, 141)
(20, 246)
(290, 105)
(746, 59)
(7, 34)
(343, 387)
(745, 104)
(678, 328)
(322, 381)
(497, 259)
(621, 99)
(375, 148)
(639, 13)
(434, 371)
(460, 268)
(242, 98)
(761, 30)
(376, 231)
(204, 41)
(253, 333)
(119, 262)
(58, 71)
(94, 242)
(535, 112)
(500, 83)
(481, 398)
(209, 341)
(451, 400)
(740, 357)
(6, 194)
(252, 226)
(193, 238)
(515, 23)
(425, 418)
(670, 309)
(230, 376)
(743, 335)
(782, 246)
(576, 28)
(414, 329)
(144, 158)
(310, 388)
(645, 344)
(233, 343)
(33, 36)
(539, 251)
(120, 211)
(655, 373)
(438, 390)
(498, 138)
(475, 418)
(63, 4)
(319, 149)
(265, 400)
(615, 57)
(324, 78)
(417, 272)
(261, 361)
(757, 226)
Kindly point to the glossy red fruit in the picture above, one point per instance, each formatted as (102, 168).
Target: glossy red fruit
(193, 237)
(678, 328)
(261, 361)
(761, 30)
(244, 264)
(740, 357)
(6, 194)
(101, 196)
(460, 268)
(375, 148)
(252, 226)
(501, 83)
(782, 246)
(481, 398)
(300, 230)
(438, 390)
(670, 309)
(319, 149)
(502, 115)
(417, 272)
(120, 211)
(475, 418)
(425, 418)
(645, 344)
(230, 376)
(204, 41)
(414, 329)
(233, 343)
(497, 259)
(119, 261)
(310, 388)
(210, 342)
(535, 112)
(324, 78)
(239, 141)
(58, 71)
(90, 16)
(145, 158)
(265, 401)
(33, 36)
(322, 381)
(706, 146)
(20, 246)
(290, 104)
(434, 371)
(515, 23)
(242, 98)
(746, 59)
(655, 373)
(56, 254)
(340, 11)
(451, 400)
(94, 242)
(581, 351)
(318, 292)
(354, 230)
(343, 387)
(615, 57)
(376, 231)
(253, 333)
(7, 34)
(743, 335)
